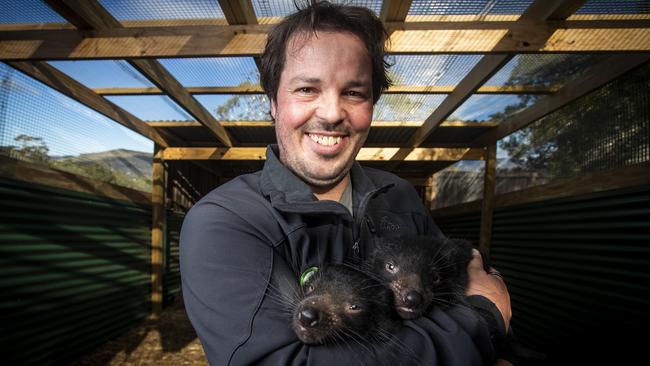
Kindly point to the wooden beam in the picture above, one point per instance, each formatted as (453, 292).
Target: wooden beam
(249, 40)
(155, 72)
(590, 183)
(57, 80)
(395, 89)
(366, 154)
(539, 10)
(42, 174)
(238, 11)
(487, 203)
(601, 74)
(158, 225)
(89, 14)
(375, 124)
(394, 10)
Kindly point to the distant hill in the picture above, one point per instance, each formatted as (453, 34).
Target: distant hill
(129, 162)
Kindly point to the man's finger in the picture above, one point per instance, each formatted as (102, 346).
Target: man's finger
(477, 262)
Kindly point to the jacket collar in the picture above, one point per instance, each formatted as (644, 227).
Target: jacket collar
(289, 193)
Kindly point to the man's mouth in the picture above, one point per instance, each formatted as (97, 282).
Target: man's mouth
(325, 140)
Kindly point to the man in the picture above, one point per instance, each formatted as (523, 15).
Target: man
(323, 70)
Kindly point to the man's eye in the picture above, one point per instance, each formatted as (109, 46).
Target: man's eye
(356, 94)
(305, 90)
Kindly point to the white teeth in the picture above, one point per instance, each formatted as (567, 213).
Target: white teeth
(325, 140)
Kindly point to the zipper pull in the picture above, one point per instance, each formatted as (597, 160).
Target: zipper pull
(355, 249)
(371, 225)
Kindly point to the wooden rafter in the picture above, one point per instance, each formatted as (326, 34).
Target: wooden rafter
(394, 10)
(89, 14)
(57, 80)
(396, 89)
(238, 11)
(249, 40)
(606, 71)
(538, 11)
(366, 154)
(375, 124)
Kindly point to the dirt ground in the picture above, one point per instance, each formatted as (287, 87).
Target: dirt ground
(171, 340)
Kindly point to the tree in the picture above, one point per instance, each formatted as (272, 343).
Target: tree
(31, 148)
(604, 129)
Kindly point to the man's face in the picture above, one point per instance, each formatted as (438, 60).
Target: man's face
(323, 108)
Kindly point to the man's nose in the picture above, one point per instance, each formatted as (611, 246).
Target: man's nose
(331, 109)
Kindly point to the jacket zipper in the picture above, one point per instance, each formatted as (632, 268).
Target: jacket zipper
(361, 215)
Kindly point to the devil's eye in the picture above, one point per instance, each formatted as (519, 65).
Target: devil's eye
(354, 307)
(390, 267)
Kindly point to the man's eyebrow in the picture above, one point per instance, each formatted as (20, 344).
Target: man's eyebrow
(356, 84)
(304, 79)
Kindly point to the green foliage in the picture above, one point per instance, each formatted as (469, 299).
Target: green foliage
(31, 149)
(35, 150)
(604, 129)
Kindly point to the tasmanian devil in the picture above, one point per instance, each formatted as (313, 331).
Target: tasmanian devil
(341, 303)
(421, 271)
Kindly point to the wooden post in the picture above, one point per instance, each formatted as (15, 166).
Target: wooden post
(157, 231)
(428, 193)
(487, 205)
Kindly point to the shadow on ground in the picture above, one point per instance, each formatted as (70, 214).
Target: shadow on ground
(170, 340)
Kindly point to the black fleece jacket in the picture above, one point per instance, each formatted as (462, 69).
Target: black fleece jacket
(244, 239)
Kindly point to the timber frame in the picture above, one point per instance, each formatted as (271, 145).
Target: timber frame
(547, 26)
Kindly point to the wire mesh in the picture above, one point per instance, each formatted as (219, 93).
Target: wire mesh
(615, 7)
(406, 107)
(163, 9)
(103, 74)
(478, 9)
(237, 107)
(607, 129)
(41, 125)
(424, 70)
(543, 69)
(27, 11)
(151, 107)
(281, 8)
(492, 107)
(223, 71)
(459, 183)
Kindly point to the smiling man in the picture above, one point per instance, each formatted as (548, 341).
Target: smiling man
(323, 70)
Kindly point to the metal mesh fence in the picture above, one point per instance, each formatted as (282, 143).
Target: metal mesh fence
(406, 107)
(492, 107)
(162, 9)
(222, 71)
(27, 11)
(281, 8)
(607, 129)
(543, 69)
(103, 74)
(476, 8)
(151, 107)
(615, 7)
(426, 70)
(40, 125)
(237, 107)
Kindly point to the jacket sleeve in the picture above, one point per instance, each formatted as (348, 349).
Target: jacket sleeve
(242, 318)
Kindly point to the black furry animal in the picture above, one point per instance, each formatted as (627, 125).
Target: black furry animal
(421, 271)
(341, 304)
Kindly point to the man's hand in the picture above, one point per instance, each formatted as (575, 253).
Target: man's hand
(490, 285)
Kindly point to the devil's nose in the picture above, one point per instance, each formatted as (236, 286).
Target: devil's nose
(413, 299)
(308, 317)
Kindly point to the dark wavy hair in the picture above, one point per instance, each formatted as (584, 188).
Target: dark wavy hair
(326, 17)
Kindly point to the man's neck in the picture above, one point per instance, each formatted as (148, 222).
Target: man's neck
(331, 193)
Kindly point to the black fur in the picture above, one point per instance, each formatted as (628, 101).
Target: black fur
(422, 271)
(341, 303)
